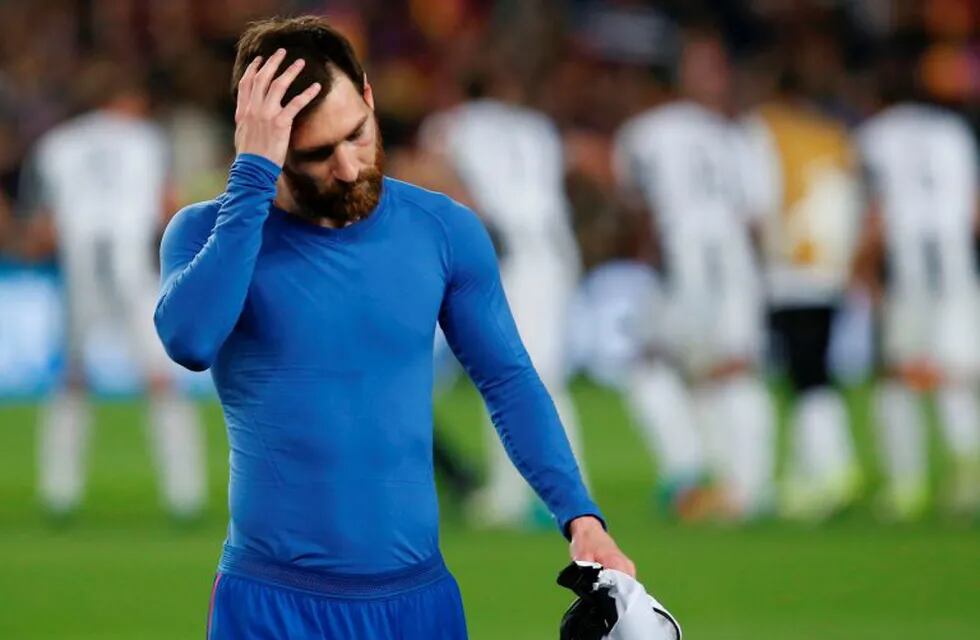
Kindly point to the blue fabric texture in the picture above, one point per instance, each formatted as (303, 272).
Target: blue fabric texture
(320, 341)
(248, 609)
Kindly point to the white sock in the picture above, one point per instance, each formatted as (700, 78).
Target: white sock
(901, 434)
(661, 406)
(177, 441)
(62, 447)
(746, 426)
(821, 447)
(960, 420)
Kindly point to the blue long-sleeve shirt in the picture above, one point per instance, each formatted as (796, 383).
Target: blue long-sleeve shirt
(320, 341)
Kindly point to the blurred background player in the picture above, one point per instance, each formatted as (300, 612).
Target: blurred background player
(801, 182)
(682, 158)
(921, 162)
(97, 191)
(506, 160)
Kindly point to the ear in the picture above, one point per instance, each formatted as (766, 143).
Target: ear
(368, 94)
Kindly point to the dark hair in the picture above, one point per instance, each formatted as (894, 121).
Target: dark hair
(311, 38)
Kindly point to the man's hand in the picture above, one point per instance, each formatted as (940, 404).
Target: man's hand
(262, 124)
(591, 543)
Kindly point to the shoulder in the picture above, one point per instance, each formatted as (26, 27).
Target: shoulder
(636, 125)
(648, 128)
(455, 223)
(424, 203)
(59, 139)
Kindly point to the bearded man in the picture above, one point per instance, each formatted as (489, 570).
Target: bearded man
(312, 288)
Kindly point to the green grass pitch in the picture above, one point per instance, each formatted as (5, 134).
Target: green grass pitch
(123, 571)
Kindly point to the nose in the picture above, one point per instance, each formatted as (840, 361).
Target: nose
(345, 165)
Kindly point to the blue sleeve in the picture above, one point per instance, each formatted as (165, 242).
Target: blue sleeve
(480, 329)
(207, 261)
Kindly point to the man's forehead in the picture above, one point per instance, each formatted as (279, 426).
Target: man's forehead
(333, 118)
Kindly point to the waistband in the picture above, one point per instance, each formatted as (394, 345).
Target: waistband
(342, 585)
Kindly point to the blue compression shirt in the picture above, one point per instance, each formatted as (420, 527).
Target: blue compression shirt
(320, 342)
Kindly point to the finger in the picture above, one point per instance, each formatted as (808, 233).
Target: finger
(296, 105)
(281, 84)
(245, 86)
(264, 76)
(620, 563)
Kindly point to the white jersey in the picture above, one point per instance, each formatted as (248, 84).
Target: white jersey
(511, 161)
(683, 159)
(922, 164)
(103, 177)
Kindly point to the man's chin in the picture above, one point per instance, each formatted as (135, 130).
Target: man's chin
(346, 207)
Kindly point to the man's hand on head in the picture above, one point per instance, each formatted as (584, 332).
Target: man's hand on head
(591, 543)
(262, 124)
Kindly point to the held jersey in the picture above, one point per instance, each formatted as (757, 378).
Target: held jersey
(922, 168)
(103, 176)
(803, 185)
(683, 159)
(511, 162)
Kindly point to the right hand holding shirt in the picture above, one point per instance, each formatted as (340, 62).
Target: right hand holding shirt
(262, 123)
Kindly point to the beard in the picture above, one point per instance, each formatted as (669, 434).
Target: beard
(342, 202)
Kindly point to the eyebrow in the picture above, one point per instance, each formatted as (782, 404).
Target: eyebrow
(324, 151)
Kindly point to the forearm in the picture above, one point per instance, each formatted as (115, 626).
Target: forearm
(203, 293)
(529, 427)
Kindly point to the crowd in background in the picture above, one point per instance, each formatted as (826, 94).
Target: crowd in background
(587, 64)
(590, 66)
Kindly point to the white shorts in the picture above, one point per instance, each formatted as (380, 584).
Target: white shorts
(700, 331)
(941, 330)
(712, 310)
(122, 303)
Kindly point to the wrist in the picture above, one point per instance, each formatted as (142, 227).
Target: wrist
(584, 525)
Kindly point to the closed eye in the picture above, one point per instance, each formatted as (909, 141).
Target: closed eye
(356, 134)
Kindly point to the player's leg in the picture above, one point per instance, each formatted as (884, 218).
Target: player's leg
(900, 431)
(177, 442)
(743, 430)
(900, 427)
(823, 476)
(175, 430)
(65, 420)
(960, 421)
(742, 424)
(661, 406)
(958, 352)
(63, 438)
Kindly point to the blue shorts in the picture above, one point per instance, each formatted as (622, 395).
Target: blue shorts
(254, 599)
